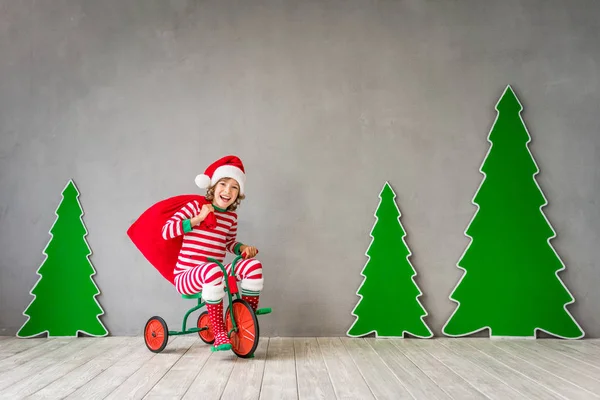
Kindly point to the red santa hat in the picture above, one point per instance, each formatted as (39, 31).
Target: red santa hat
(226, 167)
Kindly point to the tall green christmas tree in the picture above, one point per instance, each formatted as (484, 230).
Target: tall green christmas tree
(389, 305)
(65, 294)
(510, 283)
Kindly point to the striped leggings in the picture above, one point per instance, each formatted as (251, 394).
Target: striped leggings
(208, 278)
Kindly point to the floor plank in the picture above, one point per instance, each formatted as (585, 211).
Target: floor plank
(82, 374)
(279, 380)
(43, 361)
(527, 387)
(142, 381)
(56, 370)
(444, 377)
(585, 346)
(212, 378)
(107, 381)
(545, 378)
(581, 351)
(482, 380)
(311, 372)
(179, 378)
(347, 380)
(416, 381)
(247, 374)
(301, 368)
(534, 347)
(578, 376)
(25, 354)
(381, 380)
(12, 345)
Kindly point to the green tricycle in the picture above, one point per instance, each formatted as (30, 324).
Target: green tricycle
(241, 321)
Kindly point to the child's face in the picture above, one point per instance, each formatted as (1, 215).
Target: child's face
(226, 192)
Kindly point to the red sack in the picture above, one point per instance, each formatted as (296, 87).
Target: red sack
(146, 233)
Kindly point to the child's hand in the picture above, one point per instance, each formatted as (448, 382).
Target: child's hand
(204, 211)
(248, 251)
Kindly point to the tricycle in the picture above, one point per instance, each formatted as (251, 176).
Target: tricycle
(241, 321)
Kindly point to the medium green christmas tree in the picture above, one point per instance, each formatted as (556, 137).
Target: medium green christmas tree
(389, 305)
(65, 294)
(510, 283)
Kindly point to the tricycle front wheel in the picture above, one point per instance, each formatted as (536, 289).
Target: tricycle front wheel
(244, 339)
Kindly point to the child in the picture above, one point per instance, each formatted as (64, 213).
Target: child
(209, 229)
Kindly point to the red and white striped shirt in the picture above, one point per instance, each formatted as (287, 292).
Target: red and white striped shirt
(200, 242)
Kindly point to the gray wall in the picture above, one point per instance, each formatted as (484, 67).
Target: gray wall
(324, 102)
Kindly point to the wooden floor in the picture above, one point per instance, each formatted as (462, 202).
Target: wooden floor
(301, 368)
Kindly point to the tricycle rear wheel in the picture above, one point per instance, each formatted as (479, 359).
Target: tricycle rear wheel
(156, 334)
(207, 335)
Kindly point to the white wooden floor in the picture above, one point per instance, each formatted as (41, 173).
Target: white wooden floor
(301, 368)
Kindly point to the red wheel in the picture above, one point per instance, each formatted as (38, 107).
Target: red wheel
(206, 335)
(156, 334)
(245, 340)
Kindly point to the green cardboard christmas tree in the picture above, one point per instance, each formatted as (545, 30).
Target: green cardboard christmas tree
(510, 283)
(389, 305)
(64, 302)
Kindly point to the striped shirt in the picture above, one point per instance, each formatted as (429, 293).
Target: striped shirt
(200, 242)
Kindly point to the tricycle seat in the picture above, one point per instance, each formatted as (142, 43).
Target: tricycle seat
(192, 296)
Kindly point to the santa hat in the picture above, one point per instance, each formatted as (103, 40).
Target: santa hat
(226, 167)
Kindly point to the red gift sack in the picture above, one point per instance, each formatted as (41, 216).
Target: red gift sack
(146, 233)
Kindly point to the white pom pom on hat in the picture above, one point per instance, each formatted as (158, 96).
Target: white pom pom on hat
(226, 167)
(202, 181)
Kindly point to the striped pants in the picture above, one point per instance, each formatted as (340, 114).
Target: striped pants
(208, 278)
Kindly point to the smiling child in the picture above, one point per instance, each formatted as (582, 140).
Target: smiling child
(225, 180)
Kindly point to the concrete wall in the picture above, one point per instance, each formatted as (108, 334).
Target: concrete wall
(324, 102)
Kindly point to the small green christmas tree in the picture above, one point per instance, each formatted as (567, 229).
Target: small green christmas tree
(389, 304)
(65, 294)
(510, 284)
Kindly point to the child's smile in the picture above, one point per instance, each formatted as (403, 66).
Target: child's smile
(226, 192)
